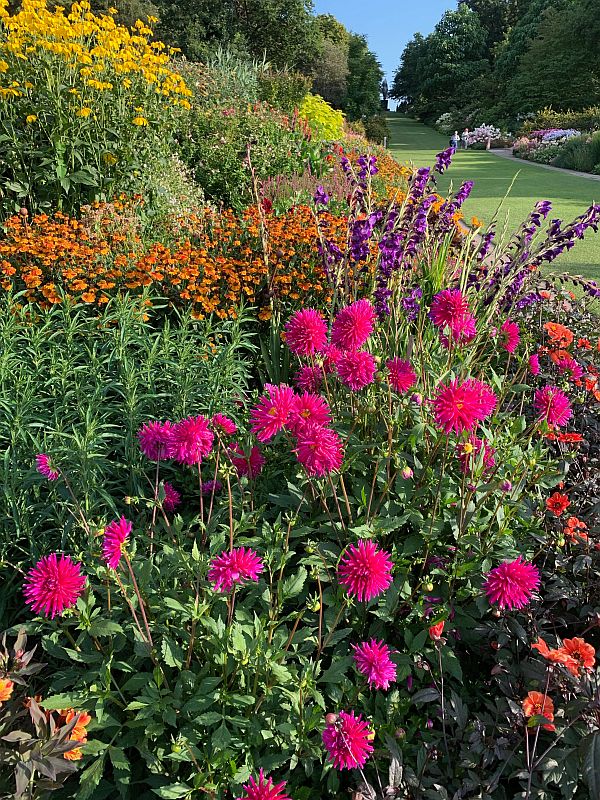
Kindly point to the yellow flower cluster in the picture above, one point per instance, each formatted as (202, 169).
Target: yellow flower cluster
(324, 121)
(97, 54)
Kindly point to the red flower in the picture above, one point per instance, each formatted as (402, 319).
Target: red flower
(53, 585)
(534, 364)
(272, 413)
(191, 440)
(436, 631)
(511, 584)
(43, 464)
(263, 789)
(401, 375)
(155, 439)
(449, 308)
(581, 653)
(356, 369)
(348, 741)
(353, 325)
(373, 661)
(460, 406)
(115, 536)
(552, 405)
(575, 530)
(557, 503)
(306, 332)
(172, 497)
(222, 424)
(247, 464)
(234, 567)
(365, 570)
(309, 379)
(510, 336)
(309, 407)
(537, 705)
(319, 449)
(570, 368)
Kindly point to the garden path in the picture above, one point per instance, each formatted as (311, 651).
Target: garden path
(570, 194)
(506, 152)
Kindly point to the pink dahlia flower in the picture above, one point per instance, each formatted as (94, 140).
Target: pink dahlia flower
(43, 464)
(191, 440)
(448, 309)
(373, 661)
(510, 336)
(318, 449)
(534, 364)
(263, 789)
(353, 325)
(309, 407)
(348, 741)
(463, 331)
(222, 424)
(249, 464)
(272, 412)
(306, 332)
(460, 406)
(469, 454)
(113, 542)
(356, 369)
(552, 405)
(570, 368)
(401, 375)
(155, 439)
(511, 584)
(53, 585)
(330, 355)
(365, 570)
(172, 497)
(234, 567)
(309, 379)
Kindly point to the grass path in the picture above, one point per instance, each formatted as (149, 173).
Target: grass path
(571, 195)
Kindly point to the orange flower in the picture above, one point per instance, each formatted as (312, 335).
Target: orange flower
(580, 652)
(584, 343)
(557, 503)
(6, 690)
(553, 656)
(559, 334)
(436, 631)
(538, 705)
(73, 755)
(575, 530)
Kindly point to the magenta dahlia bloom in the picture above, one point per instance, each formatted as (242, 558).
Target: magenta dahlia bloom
(448, 309)
(222, 424)
(309, 379)
(113, 542)
(373, 661)
(353, 325)
(318, 449)
(348, 741)
(511, 584)
(306, 332)
(263, 789)
(191, 440)
(249, 464)
(460, 406)
(330, 355)
(309, 407)
(469, 454)
(43, 464)
(172, 497)
(510, 336)
(155, 439)
(401, 375)
(569, 367)
(53, 585)
(356, 369)
(552, 405)
(365, 570)
(234, 567)
(272, 412)
(534, 364)
(463, 331)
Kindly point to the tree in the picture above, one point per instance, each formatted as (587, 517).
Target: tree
(496, 17)
(330, 80)
(408, 79)
(364, 79)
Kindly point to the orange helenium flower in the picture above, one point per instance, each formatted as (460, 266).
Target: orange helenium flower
(6, 690)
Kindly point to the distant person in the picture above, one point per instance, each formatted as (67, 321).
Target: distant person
(465, 138)
(455, 140)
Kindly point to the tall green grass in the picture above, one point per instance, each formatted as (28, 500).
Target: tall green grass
(78, 386)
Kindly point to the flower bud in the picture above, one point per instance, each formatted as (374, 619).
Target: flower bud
(330, 719)
(506, 486)
(407, 473)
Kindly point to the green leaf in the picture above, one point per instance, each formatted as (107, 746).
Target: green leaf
(221, 737)
(173, 791)
(172, 653)
(293, 585)
(336, 671)
(66, 700)
(590, 763)
(104, 627)
(90, 778)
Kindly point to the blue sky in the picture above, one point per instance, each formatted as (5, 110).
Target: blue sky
(387, 24)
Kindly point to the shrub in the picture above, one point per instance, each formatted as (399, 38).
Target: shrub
(85, 103)
(376, 128)
(577, 154)
(446, 124)
(285, 89)
(214, 144)
(586, 120)
(324, 121)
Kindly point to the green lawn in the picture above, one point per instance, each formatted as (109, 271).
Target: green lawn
(571, 195)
